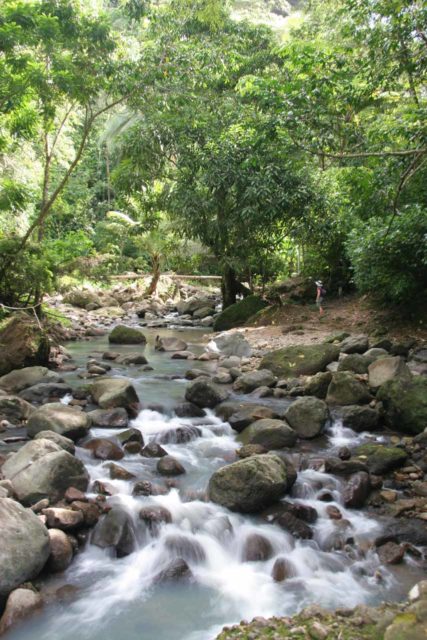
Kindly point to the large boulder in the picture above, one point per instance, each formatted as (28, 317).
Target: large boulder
(109, 418)
(381, 459)
(41, 469)
(192, 305)
(355, 344)
(346, 389)
(253, 379)
(388, 368)
(232, 344)
(249, 485)
(62, 419)
(110, 393)
(307, 416)
(126, 335)
(302, 360)
(170, 344)
(82, 298)
(64, 443)
(116, 532)
(23, 344)
(318, 384)
(271, 434)
(405, 404)
(205, 394)
(237, 314)
(14, 409)
(359, 418)
(24, 547)
(19, 379)
(46, 391)
(355, 363)
(249, 414)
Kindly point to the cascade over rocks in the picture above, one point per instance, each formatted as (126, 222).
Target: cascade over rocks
(60, 418)
(300, 360)
(405, 404)
(257, 548)
(24, 547)
(204, 393)
(249, 485)
(307, 416)
(41, 469)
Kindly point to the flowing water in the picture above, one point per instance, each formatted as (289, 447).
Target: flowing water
(119, 598)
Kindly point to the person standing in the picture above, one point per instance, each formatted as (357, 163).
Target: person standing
(319, 296)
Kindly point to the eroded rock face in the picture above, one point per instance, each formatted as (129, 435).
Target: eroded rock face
(307, 416)
(300, 360)
(24, 547)
(60, 418)
(41, 469)
(249, 485)
(111, 393)
(405, 404)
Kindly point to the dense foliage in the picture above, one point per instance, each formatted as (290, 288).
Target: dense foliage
(170, 136)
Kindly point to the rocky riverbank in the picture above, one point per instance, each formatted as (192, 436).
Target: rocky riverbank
(366, 396)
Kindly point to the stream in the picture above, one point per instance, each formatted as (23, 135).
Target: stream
(119, 598)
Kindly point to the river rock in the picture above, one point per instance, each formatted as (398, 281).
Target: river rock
(20, 604)
(403, 530)
(355, 344)
(24, 547)
(356, 362)
(357, 490)
(170, 466)
(391, 553)
(130, 435)
(375, 352)
(40, 393)
(110, 393)
(65, 443)
(126, 335)
(318, 384)
(249, 485)
(22, 344)
(381, 459)
(233, 344)
(115, 531)
(170, 344)
(346, 389)
(119, 473)
(300, 360)
(385, 369)
(182, 546)
(271, 434)
(282, 570)
(179, 435)
(153, 450)
(340, 467)
(41, 469)
(14, 409)
(405, 404)
(192, 374)
(60, 418)
(61, 551)
(295, 526)
(359, 418)
(249, 414)
(307, 416)
(254, 379)
(257, 548)
(109, 418)
(21, 379)
(177, 569)
(154, 516)
(204, 393)
(250, 450)
(188, 410)
(104, 449)
(63, 519)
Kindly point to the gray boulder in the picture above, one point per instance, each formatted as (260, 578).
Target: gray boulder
(24, 547)
(126, 335)
(388, 368)
(346, 389)
(116, 532)
(109, 418)
(375, 352)
(254, 379)
(60, 418)
(14, 409)
(64, 443)
(271, 434)
(41, 469)
(249, 414)
(307, 416)
(233, 344)
(110, 393)
(301, 360)
(205, 394)
(249, 485)
(318, 384)
(357, 490)
(355, 344)
(203, 312)
(20, 379)
(43, 391)
(356, 362)
(405, 403)
(359, 418)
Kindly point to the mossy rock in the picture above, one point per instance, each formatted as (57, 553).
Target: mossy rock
(23, 344)
(381, 459)
(405, 404)
(126, 335)
(81, 298)
(301, 360)
(237, 314)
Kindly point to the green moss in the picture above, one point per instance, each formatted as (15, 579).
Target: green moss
(126, 335)
(239, 313)
(56, 316)
(300, 360)
(381, 459)
(405, 403)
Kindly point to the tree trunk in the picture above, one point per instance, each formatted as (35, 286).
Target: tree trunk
(228, 286)
(155, 264)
